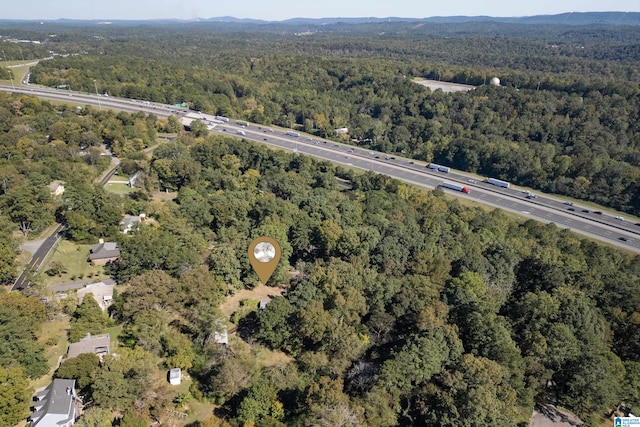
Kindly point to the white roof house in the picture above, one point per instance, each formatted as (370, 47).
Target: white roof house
(101, 292)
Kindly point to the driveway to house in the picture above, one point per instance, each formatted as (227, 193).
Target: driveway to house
(80, 284)
(548, 415)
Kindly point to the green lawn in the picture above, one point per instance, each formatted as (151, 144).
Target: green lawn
(73, 258)
(53, 336)
(119, 187)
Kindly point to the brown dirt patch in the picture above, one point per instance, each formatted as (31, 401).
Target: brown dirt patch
(232, 303)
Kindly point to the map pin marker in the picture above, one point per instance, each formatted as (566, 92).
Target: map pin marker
(264, 254)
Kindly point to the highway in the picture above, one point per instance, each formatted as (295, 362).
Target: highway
(598, 225)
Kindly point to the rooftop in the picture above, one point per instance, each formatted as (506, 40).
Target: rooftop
(97, 345)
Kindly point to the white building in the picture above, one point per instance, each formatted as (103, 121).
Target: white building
(101, 292)
(175, 376)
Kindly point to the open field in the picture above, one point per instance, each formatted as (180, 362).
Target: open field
(444, 86)
(119, 187)
(73, 257)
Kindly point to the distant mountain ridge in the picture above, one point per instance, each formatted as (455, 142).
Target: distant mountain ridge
(569, 18)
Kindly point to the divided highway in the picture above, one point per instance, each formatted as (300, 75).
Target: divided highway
(612, 229)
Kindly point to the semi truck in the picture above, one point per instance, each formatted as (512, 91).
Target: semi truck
(222, 119)
(292, 133)
(453, 186)
(499, 182)
(439, 168)
(242, 123)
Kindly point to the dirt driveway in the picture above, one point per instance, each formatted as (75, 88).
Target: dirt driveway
(549, 415)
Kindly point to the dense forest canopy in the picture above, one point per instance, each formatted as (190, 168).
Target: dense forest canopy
(406, 309)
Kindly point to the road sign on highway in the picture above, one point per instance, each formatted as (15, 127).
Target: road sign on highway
(626, 421)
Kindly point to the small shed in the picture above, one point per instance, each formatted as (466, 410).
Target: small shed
(175, 376)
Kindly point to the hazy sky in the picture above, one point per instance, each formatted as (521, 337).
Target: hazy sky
(284, 9)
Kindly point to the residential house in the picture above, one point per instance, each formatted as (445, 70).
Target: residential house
(101, 292)
(104, 252)
(130, 221)
(133, 179)
(55, 406)
(98, 345)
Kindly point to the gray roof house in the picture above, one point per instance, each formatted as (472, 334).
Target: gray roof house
(98, 345)
(55, 405)
(104, 252)
(131, 221)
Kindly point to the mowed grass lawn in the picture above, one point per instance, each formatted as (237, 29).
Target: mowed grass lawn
(119, 185)
(73, 257)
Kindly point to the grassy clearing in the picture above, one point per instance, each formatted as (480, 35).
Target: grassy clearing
(74, 259)
(232, 303)
(119, 187)
(114, 332)
(53, 336)
(197, 411)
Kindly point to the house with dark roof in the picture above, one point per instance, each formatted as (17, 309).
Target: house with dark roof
(55, 406)
(98, 345)
(104, 252)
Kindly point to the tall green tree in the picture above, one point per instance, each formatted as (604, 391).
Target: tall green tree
(15, 396)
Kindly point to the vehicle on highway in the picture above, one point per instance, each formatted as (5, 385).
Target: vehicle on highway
(438, 168)
(241, 132)
(292, 133)
(586, 210)
(242, 123)
(597, 212)
(571, 209)
(457, 187)
(222, 119)
(619, 218)
(499, 182)
(624, 239)
(568, 203)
